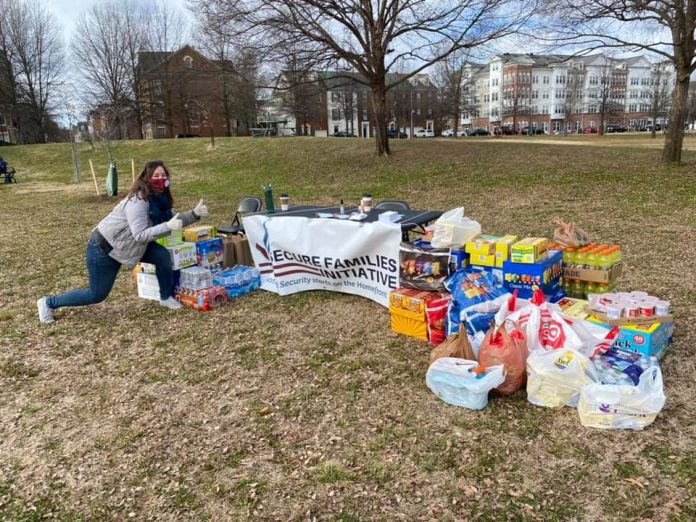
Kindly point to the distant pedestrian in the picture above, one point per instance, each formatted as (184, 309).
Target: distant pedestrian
(127, 236)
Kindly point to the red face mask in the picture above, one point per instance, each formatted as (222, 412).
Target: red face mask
(159, 184)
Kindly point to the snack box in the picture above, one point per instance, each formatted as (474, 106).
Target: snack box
(529, 250)
(210, 252)
(203, 300)
(503, 249)
(526, 277)
(411, 300)
(458, 260)
(647, 340)
(173, 239)
(575, 308)
(482, 245)
(183, 255)
(199, 233)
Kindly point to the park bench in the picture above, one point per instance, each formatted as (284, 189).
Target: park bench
(9, 174)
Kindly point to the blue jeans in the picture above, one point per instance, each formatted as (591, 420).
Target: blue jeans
(102, 271)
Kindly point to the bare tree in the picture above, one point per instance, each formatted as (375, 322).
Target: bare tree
(454, 84)
(660, 95)
(574, 91)
(663, 27)
(517, 96)
(609, 93)
(371, 36)
(36, 62)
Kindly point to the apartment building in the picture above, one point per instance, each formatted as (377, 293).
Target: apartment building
(563, 93)
(324, 103)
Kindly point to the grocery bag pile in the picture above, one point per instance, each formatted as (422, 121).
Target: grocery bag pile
(496, 311)
(206, 273)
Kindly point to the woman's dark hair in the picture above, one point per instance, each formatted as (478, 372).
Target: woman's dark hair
(141, 187)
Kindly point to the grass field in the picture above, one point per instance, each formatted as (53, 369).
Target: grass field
(308, 407)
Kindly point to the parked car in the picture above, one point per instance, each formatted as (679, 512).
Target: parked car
(479, 132)
(589, 130)
(506, 130)
(531, 131)
(615, 127)
(187, 136)
(394, 134)
(562, 132)
(344, 134)
(423, 133)
(449, 133)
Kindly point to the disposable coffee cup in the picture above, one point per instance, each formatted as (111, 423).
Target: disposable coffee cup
(284, 202)
(366, 202)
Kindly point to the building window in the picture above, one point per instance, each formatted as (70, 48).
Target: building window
(592, 124)
(159, 112)
(634, 81)
(418, 111)
(161, 131)
(364, 115)
(418, 96)
(188, 62)
(546, 80)
(192, 113)
(157, 87)
(364, 96)
(335, 113)
(2, 119)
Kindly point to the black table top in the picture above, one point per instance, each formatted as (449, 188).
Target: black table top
(410, 218)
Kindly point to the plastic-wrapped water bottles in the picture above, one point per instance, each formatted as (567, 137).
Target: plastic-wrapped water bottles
(238, 280)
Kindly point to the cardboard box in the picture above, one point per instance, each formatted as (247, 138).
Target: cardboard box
(183, 255)
(236, 251)
(526, 277)
(503, 249)
(646, 340)
(174, 238)
(209, 252)
(408, 323)
(148, 287)
(458, 260)
(199, 233)
(594, 275)
(483, 245)
(529, 250)
(411, 300)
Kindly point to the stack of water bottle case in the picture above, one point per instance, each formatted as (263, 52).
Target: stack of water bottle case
(208, 270)
(505, 313)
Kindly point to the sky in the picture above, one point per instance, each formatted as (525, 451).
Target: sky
(68, 11)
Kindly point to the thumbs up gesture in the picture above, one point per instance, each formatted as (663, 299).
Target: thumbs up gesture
(201, 209)
(175, 223)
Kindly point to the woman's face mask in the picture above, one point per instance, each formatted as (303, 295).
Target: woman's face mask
(159, 184)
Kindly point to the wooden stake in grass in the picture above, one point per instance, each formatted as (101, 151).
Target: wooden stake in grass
(94, 177)
(133, 169)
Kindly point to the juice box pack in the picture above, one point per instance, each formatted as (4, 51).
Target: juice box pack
(490, 251)
(199, 233)
(529, 250)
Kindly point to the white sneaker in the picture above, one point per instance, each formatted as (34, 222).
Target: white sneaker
(170, 302)
(45, 312)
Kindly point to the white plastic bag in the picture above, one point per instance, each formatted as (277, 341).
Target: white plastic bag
(451, 379)
(453, 229)
(557, 377)
(545, 328)
(616, 406)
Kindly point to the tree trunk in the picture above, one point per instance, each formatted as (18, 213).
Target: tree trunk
(379, 104)
(671, 153)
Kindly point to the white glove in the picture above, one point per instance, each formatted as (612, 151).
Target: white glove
(175, 223)
(201, 209)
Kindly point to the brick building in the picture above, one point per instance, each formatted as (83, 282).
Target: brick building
(8, 129)
(560, 93)
(315, 103)
(181, 93)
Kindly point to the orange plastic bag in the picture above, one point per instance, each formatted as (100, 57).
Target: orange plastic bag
(508, 349)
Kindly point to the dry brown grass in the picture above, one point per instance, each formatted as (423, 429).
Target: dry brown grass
(307, 406)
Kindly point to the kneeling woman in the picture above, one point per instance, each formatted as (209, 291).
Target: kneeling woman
(126, 237)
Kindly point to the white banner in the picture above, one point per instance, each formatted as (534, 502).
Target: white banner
(295, 254)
